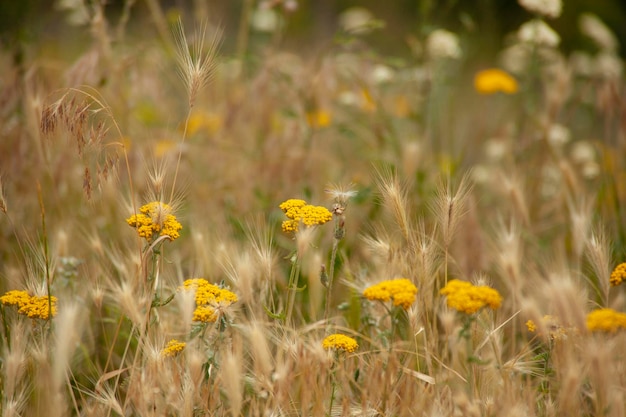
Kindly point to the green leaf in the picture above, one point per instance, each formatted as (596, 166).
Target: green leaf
(157, 302)
(279, 316)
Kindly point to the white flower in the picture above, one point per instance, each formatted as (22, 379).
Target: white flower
(609, 66)
(591, 170)
(443, 44)
(548, 8)
(538, 32)
(265, 20)
(583, 152)
(78, 12)
(348, 98)
(381, 74)
(515, 58)
(591, 26)
(558, 135)
(496, 149)
(581, 63)
(356, 20)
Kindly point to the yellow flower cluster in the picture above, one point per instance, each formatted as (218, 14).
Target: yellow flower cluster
(553, 326)
(155, 218)
(493, 80)
(209, 298)
(204, 121)
(173, 348)
(340, 342)
(606, 320)
(35, 307)
(299, 211)
(319, 118)
(400, 290)
(618, 275)
(467, 298)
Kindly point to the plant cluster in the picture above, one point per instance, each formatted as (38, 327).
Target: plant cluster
(463, 253)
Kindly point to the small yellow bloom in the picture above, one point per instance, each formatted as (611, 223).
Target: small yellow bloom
(367, 101)
(618, 275)
(292, 206)
(467, 298)
(17, 298)
(340, 342)
(494, 80)
(173, 348)
(606, 320)
(204, 121)
(209, 299)
(153, 219)
(162, 147)
(551, 327)
(34, 307)
(299, 211)
(204, 314)
(401, 106)
(319, 118)
(400, 290)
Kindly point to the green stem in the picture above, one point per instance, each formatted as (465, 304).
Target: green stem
(45, 249)
(292, 286)
(386, 364)
(466, 333)
(331, 275)
(7, 329)
(334, 386)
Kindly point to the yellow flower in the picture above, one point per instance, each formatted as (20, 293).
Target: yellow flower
(367, 101)
(400, 290)
(34, 307)
(204, 314)
(605, 320)
(467, 298)
(401, 106)
(292, 206)
(618, 275)
(209, 299)
(493, 80)
(299, 211)
(173, 348)
(340, 342)
(205, 121)
(319, 118)
(17, 298)
(155, 218)
(552, 326)
(162, 147)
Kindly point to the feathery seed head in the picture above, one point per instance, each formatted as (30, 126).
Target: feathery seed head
(197, 63)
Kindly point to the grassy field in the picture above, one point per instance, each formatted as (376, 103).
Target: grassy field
(187, 232)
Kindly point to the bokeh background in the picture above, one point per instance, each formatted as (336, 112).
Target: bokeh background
(482, 23)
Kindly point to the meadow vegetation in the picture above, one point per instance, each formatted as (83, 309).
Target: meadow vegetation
(187, 232)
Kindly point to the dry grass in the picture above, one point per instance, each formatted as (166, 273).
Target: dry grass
(426, 178)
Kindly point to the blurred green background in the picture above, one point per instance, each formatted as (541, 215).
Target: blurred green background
(483, 23)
